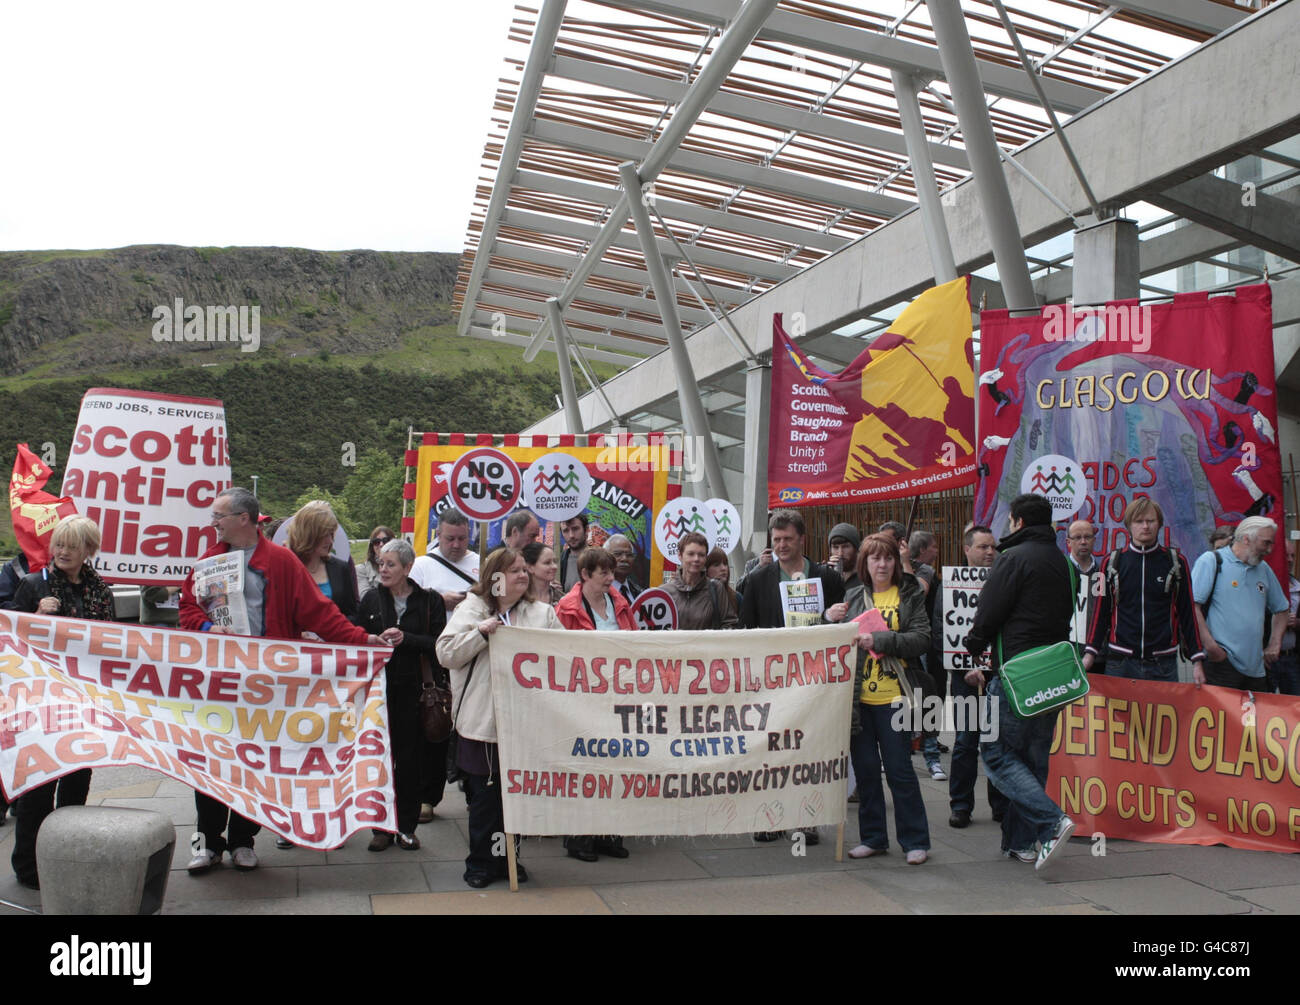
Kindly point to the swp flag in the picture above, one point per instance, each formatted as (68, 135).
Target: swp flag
(897, 421)
(34, 512)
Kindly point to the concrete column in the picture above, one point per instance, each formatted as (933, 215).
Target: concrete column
(1106, 262)
(753, 504)
(982, 149)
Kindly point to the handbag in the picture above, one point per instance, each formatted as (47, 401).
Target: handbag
(1044, 678)
(435, 700)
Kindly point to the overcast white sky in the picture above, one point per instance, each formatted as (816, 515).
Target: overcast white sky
(321, 125)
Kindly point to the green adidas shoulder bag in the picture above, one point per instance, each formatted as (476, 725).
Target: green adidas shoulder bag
(1044, 678)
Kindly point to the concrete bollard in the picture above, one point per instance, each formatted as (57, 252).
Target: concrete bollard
(104, 860)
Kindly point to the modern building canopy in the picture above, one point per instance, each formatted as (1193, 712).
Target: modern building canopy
(778, 172)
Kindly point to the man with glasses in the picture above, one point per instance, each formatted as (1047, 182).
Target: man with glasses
(449, 567)
(1080, 539)
(624, 555)
(282, 601)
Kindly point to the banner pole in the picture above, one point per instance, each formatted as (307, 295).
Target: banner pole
(839, 842)
(512, 863)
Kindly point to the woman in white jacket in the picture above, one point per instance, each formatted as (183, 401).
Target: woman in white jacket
(502, 596)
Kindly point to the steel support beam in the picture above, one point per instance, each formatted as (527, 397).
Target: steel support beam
(1239, 210)
(1199, 15)
(568, 388)
(695, 419)
(621, 301)
(927, 190)
(982, 147)
(530, 85)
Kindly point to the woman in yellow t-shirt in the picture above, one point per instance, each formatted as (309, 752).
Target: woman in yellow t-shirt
(881, 687)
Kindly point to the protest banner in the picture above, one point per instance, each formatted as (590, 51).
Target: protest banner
(33, 512)
(640, 733)
(290, 734)
(1150, 761)
(626, 477)
(897, 421)
(146, 468)
(962, 585)
(1094, 407)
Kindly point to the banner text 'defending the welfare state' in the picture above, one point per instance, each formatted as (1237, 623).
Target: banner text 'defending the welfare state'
(289, 734)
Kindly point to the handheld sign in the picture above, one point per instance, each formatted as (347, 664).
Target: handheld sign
(679, 517)
(485, 484)
(961, 593)
(655, 610)
(557, 487)
(726, 520)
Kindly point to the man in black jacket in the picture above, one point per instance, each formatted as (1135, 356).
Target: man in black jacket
(761, 606)
(1028, 601)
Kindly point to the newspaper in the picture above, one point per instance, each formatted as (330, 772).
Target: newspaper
(219, 590)
(801, 602)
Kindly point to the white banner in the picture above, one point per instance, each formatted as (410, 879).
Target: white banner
(290, 734)
(146, 468)
(961, 592)
(673, 732)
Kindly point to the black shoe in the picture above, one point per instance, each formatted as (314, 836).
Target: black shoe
(943, 748)
(581, 848)
(810, 836)
(478, 880)
(997, 816)
(283, 843)
(521, 874)
(408, 842)
(31, 882)
(613, 848)
(959, 819)
(768, 835)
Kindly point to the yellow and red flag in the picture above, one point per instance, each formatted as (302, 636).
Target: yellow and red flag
(34, 511)
(898, 421)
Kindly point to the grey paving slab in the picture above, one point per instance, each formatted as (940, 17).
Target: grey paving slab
(494, 900)
(934, 888)
(315, 904)
(448, 877)
(643, 865)
(227, 883)
(817, 894)
(767, 860)
(169, 788)
(394, 877)
(1282, 899)
(1156, 895)
(178, 809)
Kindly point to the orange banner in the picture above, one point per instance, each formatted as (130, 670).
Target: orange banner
(1174, 763)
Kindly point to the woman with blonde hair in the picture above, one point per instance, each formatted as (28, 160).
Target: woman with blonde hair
(68, 587)
(501, 597)
(311, 538)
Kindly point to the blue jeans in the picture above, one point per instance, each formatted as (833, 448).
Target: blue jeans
(1017, 764)
(1284, 675)
(879, 741)
(964, 771)
(1160, 668)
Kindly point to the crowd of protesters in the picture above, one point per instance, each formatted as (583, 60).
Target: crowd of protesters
(1136, 610)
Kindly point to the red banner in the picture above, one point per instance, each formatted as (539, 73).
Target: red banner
(1148, 761)
(34, 512)
(1096, 406)
(896, 422)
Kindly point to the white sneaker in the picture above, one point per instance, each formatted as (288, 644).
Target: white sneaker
(244, 858)
(917, 856)
(937, 773)
(1027, 855)
(1049, 849)
(203, 861)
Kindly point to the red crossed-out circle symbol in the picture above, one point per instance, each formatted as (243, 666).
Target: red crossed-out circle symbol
(485, 484)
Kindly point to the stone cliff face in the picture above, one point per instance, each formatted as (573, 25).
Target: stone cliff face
(68, 311)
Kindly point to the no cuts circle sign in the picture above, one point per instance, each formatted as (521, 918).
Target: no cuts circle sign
(655, 610)
(485, 484)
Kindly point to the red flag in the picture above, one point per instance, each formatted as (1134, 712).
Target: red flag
(34, 512)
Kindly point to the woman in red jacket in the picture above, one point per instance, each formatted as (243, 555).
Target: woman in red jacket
(592, 605)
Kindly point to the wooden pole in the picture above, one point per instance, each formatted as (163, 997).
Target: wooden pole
(839, 842)
(512, 863)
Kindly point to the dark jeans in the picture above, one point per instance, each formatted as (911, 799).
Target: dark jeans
(214, 817)
(1224, 674)
(486, 821)
(965, 762)
(1284, 675)
(1163, 668)
(1017, 763)
(403, 690)
(879, 741)
(34, 806)
(433, 762)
